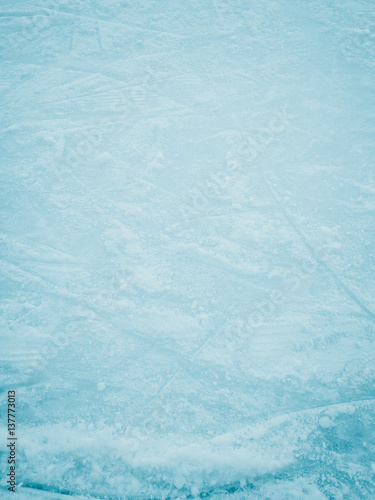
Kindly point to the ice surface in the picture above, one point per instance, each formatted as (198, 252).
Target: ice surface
(187, 240)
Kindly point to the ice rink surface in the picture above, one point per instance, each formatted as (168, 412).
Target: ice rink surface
(187, 244)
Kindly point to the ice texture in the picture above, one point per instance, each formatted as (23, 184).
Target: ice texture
(187, 248)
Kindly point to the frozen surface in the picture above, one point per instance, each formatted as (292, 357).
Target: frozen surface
(187, 294)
